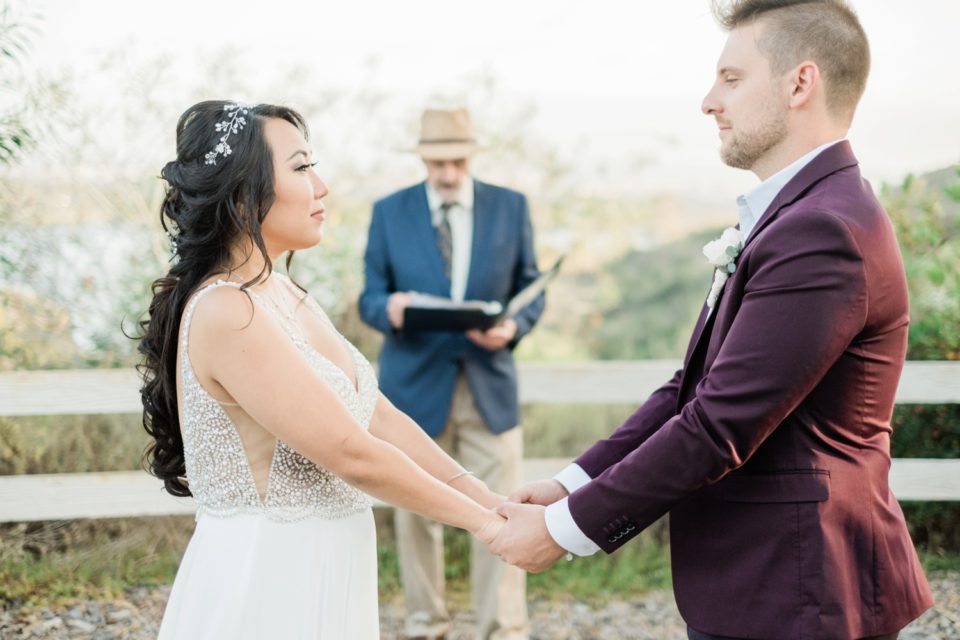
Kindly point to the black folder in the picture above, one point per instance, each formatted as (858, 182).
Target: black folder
(433, 313)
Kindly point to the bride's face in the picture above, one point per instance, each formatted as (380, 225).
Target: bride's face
(295, 221)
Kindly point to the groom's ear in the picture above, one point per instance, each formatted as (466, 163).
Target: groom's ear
(804, 84)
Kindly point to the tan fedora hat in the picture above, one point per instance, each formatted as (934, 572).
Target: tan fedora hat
(446, 135)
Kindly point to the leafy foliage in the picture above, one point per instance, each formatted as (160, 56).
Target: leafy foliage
(929, 232)
(930, 242)
(653, 302)
(15, 32)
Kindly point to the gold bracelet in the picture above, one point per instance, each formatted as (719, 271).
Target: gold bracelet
(460, 475)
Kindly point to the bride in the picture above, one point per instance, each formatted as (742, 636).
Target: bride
(262, 411)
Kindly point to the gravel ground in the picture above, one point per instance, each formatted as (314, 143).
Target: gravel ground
(650, 617)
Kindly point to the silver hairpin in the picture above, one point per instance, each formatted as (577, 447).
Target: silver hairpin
(234, 122)
(173, 243)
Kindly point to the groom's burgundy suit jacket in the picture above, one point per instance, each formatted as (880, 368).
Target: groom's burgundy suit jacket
(771, 447)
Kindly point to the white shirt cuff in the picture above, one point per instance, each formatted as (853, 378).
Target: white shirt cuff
(564, 530)
(572, 477)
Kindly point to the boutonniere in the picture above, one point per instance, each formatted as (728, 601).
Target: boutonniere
(722, 254)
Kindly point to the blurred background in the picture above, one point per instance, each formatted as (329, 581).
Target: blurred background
(591, 109)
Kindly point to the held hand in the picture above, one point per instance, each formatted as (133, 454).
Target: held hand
(477, 489)
(496, 337)
(543, 492)
(396, 303)
(490, 527)
(524, 540)
(492, 499)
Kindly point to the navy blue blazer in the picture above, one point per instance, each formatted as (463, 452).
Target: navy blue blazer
(418, 370)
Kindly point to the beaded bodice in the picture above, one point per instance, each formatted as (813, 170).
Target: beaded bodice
(218, 472)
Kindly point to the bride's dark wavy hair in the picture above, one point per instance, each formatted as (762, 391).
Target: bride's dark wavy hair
(208, 209)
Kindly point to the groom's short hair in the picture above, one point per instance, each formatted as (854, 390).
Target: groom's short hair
(827, 32)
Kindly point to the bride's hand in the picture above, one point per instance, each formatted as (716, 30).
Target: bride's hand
(478, 490)
(492, 499)
(489, 527)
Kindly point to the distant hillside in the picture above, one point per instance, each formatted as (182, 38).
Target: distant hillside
(660, 295)
(935, 183)
(939, 180)
(654, 296)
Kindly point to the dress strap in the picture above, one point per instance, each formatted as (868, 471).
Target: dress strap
(308, 300)
(186, 367)
(192, 305)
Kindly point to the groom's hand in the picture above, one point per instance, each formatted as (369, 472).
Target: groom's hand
(544, 492)
(524, 540)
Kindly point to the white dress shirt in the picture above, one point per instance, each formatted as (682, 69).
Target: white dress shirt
(560, 523)
(753, 204)
(461, 233)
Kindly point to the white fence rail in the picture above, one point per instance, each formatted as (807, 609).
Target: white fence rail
(134, 493)
(87, 391)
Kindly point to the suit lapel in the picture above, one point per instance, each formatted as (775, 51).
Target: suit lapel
(833, 159)
(481, 241)
(426, 238)
(703, 327)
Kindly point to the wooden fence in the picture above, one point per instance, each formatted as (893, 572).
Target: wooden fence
(134, 493)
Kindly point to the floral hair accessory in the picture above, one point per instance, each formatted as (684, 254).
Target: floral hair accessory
(235, 121)
(722, 254)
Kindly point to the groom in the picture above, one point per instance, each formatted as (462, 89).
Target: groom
(770, 448)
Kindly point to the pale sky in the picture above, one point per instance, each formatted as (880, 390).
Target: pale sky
(612, 82)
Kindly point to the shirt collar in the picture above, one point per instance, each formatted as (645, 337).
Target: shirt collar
(464, 198)
(754, 203)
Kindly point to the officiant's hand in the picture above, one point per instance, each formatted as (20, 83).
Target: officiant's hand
(396, 303)
(496, 337)
(524, 540)
(544, 492)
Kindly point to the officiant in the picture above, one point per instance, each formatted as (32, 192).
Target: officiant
(454, 236)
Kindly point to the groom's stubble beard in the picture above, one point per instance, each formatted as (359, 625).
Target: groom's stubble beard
(746, 147)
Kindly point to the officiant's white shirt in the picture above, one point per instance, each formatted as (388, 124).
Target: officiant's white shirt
(560, 522)
(461, 234)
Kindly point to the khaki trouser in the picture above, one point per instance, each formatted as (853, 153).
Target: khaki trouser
(498, 589)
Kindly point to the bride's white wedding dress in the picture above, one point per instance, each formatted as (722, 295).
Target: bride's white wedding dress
(299, 562)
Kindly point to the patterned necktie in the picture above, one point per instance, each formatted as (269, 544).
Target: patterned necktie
(445, 237)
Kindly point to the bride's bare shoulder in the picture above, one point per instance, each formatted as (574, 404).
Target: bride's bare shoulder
(218, 305)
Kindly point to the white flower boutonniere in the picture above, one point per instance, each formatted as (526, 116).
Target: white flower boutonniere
(722, 254)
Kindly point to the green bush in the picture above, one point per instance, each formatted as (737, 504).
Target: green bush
(928, 227)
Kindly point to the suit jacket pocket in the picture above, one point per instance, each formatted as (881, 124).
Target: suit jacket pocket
(807, 485)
